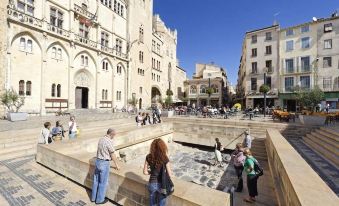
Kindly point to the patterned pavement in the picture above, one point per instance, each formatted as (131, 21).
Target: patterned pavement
(24, 182)
(327, 171)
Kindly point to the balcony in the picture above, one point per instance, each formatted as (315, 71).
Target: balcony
(57, 30)
(120, 54)
(297, 70)
(85, 41)
(21, 17)
(107, 49)
(83, 12)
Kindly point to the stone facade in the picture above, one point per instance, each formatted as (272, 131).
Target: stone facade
(75, 54)
(303, 56)
(262, 57)
(207, 76)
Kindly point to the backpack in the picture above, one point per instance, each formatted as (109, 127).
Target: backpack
(259, 171)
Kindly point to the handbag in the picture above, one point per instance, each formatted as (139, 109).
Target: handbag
(167, 186)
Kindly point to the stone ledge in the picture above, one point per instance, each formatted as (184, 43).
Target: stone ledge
(295, 181)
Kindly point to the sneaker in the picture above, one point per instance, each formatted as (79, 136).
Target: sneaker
(248, 200)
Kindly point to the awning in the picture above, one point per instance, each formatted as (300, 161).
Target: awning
(287, 95)
(329, 95)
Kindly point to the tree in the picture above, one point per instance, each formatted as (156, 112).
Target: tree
(133, 101)
(169, 92)
(168, 101)
(310, 98)
(264, 88)
(209, 90)
(12, 100)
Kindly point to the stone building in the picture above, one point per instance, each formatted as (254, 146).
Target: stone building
(207, 76)
(85, 54)
(298, 54)
(259, 57)
(303, 56)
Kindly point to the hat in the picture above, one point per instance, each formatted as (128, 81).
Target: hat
(246, 132)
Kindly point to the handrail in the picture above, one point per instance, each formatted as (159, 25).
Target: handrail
(236, 138)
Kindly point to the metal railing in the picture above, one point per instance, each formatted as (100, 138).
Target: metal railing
(297, 70)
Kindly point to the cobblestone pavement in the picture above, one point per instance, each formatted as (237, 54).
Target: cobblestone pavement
(25, 182)
(328, 172)
(195, 165)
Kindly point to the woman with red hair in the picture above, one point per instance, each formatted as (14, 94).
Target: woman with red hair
(154, 163)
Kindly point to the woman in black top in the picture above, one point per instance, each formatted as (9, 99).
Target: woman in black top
(155, 160)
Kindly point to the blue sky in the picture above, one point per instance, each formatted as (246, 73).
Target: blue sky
(213, 30)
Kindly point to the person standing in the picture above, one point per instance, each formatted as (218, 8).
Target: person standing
(45, 136)
(247, 143)
(105, 153)
(155, 162)
(252, 178)
(138, 119)
(238, 163)
(72, 125)
(217, 151)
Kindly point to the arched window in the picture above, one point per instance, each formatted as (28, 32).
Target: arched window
(106, 94)
(103, 94)
(29, 46)
(119, 69)
(122, 10)
(169, 72)
(59, 55)
(86, 61)
(53, 90)
(22, 44)
(59, 90)
(203, 89)
(53, 52)
(193, 89)
(215, 88)
(21, 87)
(141, 34)
(28, 88)
(119, 8)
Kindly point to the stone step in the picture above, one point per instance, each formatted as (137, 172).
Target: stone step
(21, 153)
(18, 143)
(330, 130)
(322, 151)
(326, 139)
(330, 148)
(328, 135)
(17, 148)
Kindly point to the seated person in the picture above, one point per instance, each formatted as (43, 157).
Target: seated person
(58, 131)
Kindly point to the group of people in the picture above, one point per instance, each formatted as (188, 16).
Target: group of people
(57, 133)
(156, 165)
(242, 161)
(144, 118)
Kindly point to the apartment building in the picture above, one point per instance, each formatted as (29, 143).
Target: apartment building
(207, 76)
(259, 60)
(306, 56)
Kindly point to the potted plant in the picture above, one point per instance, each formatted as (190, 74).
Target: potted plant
(13, 102)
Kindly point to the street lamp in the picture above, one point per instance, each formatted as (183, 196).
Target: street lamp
(209, 88)
(265, 70)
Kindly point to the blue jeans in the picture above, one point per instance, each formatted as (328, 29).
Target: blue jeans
(72, 135)
(100, 180)
(155, 198)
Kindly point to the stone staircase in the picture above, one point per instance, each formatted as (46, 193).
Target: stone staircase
(325, 141)
(259, 149)
(23, 142)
